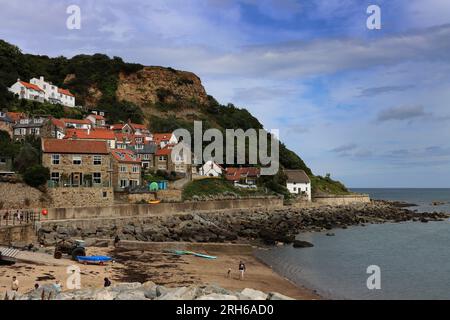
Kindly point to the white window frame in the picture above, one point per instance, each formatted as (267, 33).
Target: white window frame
(54, 160)
(98, 178)
(96, 159)
(135, 169)
(55, 178)
(77, 158)
(123, 183)
(123, 169)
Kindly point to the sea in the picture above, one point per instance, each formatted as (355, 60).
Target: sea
(391, 261)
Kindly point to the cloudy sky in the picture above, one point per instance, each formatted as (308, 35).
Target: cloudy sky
(368, 106)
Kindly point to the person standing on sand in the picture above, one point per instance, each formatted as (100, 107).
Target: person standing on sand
(116, 240)
(241, 270)
(15, 284)
(107, 283)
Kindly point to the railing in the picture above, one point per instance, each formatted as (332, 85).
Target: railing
(18, 217)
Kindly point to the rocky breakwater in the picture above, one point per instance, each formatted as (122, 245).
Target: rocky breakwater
(146, 291)
(251, 225)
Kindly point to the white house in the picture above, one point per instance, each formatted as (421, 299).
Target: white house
(28, 91)
(211, 169)
(298, 182)
(47, 92)
(96, 120)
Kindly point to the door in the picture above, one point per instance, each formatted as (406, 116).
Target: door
(76, 179)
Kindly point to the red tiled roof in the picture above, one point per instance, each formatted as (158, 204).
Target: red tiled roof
(74, 146)
(16, 116)
(158, 137)
(31, 86)
(235, 174)
(125, 155)
(97, 134)
(117, 126)
(58, 123)
(76, 121)
(65, 92)
(165, 151)
(138, 126)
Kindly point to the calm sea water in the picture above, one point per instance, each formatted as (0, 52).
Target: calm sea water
(414, 258)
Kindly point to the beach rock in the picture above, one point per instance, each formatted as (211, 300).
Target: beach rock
(302, 244)
(217, 296)
(131, 295)
(183, 293)
(277, 296)
(126, 286)
(105, 294)
(251, 294)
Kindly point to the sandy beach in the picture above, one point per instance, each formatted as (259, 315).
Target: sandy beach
(152, 263)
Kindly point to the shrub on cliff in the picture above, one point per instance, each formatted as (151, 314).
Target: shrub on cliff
(36, 176)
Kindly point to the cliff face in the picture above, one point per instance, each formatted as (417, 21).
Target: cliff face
(156, 84)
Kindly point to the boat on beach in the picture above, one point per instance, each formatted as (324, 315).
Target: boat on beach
(100, 260)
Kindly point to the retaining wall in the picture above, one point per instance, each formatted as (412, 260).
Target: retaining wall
(341, 199)
(133, 210)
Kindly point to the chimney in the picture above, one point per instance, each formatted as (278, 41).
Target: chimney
(41, 78)
(18, 79)
(89, 130)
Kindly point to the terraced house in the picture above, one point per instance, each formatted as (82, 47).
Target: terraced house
(126, 168)
(77, 163)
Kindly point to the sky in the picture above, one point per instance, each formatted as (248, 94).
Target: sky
(370, 107)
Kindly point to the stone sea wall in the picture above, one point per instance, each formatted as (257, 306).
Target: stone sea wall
(269, 225)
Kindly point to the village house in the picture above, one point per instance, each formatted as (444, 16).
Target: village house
(28, 91)
(32, 126)
(57, 129)
(6, 123)
(126, 169)
(242, 176)
(40, 90)
(77, 163)
(6, 164)
(96, 120)
(132, 128)
(77, 123)
(298, 183)
(179, 162)
(97, 134)
(164, 139)
(146, 154)
(211, 169)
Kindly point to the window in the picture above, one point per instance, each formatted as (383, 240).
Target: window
(2, 161)
(97, 177)
(55, 176)
(105, 194)
(135, 169)
(162, 158)
(139, 146)
(34, 131)
(295, 189)
(123, 168)
(97, 160)
(76, 160)
(146, 157)
(55, 158)
(123, 183)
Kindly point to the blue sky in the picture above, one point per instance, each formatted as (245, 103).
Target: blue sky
(368, 106)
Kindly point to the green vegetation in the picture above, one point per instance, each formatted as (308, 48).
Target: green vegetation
(36, 175)
(86, 72)
(214, 187)
(327, 185)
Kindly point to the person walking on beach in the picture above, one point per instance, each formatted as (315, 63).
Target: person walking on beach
(241, 270)
(15, 284)
(116, 240)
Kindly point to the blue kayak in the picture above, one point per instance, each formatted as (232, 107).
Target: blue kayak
(94, 259)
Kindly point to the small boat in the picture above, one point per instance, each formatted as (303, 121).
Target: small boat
(200, 255)
(94, 259)
(154, 201)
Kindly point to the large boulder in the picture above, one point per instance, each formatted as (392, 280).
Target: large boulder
(302, 244)
(183, 293)
(251, 294)
(126, 286)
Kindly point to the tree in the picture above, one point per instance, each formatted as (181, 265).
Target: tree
(28, 156)
(36, 176)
